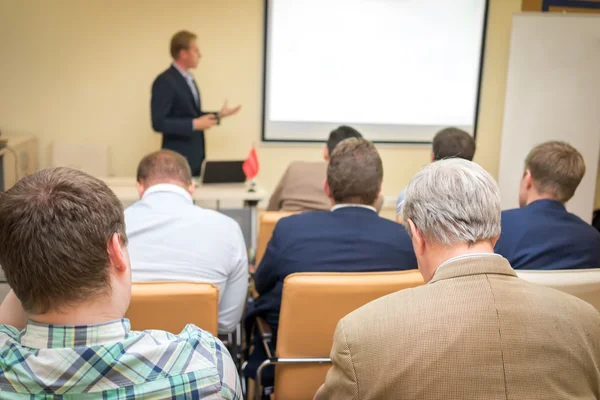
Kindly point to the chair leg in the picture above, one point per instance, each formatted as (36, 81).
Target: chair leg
(251, 389)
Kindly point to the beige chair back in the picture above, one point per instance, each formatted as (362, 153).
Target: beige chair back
(170, 306)
(311, 307)
(582, 283)
(267, 223)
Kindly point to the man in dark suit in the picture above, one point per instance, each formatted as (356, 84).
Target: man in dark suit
(176, 106)
(542, 234)
(349, 238)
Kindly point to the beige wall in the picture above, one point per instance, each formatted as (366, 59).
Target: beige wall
(82, 70)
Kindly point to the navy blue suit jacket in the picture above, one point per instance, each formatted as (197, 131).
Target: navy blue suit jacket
(350, 239)
(544, 235)
(173, 108)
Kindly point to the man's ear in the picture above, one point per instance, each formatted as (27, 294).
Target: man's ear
(528, 179)
(117, 253)
(327, 189)
(417, 238)
(141, 188)
(326, 153)
(191, 188)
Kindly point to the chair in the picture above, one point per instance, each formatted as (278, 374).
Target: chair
(170, 306)
(312, 304)
(582, 283)
(267, 223)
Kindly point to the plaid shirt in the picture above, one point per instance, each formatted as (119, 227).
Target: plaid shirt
(109, 361)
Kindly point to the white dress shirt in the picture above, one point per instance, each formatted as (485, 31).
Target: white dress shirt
(338, 206)
(171, 239)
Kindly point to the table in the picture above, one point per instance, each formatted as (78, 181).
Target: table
(125, 189)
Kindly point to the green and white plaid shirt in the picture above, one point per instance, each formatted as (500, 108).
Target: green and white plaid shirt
(109, 361)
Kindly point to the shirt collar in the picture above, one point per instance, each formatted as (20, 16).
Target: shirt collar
(170, 188)
(185, 74)
(466, 256)
(43, 336)
(338, 206)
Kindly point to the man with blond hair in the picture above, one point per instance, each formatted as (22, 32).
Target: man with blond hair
(542, 234)
(176, 105)
(62, 331)
(474, 330)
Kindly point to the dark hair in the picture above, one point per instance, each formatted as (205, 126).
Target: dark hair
(596, 219)
(164, 166)
(340, 134)
(355, 172)
(557, 168)
(453, 142)
(54, 229)
(181, 41)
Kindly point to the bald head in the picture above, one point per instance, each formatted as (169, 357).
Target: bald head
(164, 166)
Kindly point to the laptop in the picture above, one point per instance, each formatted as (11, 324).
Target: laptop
(222, 172)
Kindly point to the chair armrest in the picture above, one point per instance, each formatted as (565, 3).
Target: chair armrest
(264, 329)
(266, 334)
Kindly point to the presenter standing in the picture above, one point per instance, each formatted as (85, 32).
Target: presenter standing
(176, 107)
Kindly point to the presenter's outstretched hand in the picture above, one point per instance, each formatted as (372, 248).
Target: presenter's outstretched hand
(226, 111)
(205, 122)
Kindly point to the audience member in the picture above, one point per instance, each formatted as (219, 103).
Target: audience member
(64, 253)
(171, 239)
(349, 238)
(301, 186)
(542, 234)
(447, 143)
(596, 219)
(475, 330)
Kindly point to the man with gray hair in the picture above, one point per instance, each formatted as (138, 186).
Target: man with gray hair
(474, 330)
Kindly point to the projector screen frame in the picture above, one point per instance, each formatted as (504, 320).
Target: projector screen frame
(393, 142)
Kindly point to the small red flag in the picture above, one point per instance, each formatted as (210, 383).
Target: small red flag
(251, 166)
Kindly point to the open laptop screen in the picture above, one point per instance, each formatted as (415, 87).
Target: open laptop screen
(222, 172)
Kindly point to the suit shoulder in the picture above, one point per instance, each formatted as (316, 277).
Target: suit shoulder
(512, 213)
(400, 301)
(392, 227)
(585, 226)
(306, 168)
(306, 217)
(391, 224)
(163, 76)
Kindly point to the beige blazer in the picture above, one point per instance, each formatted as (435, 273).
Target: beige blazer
(476, 331)
(302, 188)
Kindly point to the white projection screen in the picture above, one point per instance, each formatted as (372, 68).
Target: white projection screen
(397, 70)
